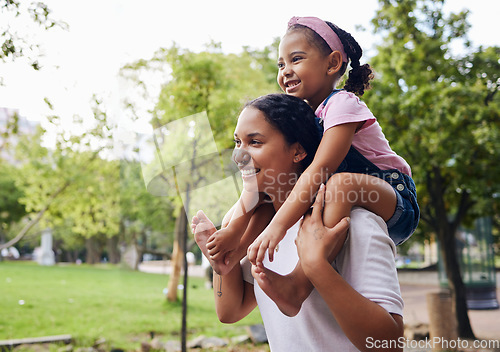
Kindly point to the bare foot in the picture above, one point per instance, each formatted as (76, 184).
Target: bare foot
(288, 292)
(202, 229)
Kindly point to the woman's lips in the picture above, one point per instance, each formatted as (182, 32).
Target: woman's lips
(249, 172)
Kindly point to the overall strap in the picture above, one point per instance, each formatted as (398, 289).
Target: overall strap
(335, 91)
(319, 121)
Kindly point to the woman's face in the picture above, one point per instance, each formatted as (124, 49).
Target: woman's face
(262, 154)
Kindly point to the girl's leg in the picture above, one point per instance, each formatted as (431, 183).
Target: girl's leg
(346, 190)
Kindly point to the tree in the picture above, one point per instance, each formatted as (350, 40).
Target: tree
(148, 220)
(11, 210)
(50, 177)
(14, 42)
(440, 110)
(15, 45)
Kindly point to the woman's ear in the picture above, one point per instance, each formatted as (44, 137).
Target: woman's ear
(300, 153)
(334, 62)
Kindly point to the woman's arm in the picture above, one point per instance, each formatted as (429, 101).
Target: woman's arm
(359, 317)
(234, 297)
(332, 150)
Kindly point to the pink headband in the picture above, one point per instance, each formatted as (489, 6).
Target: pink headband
(323, 30)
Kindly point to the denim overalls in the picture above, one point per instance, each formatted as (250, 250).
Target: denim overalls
(405, 219)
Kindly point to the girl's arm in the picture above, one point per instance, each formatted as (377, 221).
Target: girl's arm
(361, 319)
(331, 152)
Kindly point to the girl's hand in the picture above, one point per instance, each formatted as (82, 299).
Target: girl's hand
(315, 242)
(267, 240)
(221, 243)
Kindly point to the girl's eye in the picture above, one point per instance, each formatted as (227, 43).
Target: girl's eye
(296, 58)
(280, 65)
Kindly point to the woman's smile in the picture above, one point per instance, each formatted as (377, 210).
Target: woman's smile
(249, 172)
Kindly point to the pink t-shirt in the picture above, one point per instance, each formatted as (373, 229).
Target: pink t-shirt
(369, 140)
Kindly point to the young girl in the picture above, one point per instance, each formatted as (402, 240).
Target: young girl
(313, 57)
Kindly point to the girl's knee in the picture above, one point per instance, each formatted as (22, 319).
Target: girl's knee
(337, 187)
(339, 182)
(348, 188)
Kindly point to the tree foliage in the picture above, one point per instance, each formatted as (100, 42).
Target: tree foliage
(69, 185)
(11, 210)
(148, 220)
(16, 16)
(216, 83)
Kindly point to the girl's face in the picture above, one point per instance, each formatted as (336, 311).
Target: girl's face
(303, 69)
(262, 154)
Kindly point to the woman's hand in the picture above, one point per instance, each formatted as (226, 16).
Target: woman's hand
(315, 242)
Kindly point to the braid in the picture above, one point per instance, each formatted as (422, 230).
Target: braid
(359, 75)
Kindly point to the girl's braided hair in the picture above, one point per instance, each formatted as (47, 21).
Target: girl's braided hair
(360, 75)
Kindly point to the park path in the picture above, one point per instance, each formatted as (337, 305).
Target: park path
(415, 285)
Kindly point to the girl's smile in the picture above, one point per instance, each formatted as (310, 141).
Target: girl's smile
(291, 86)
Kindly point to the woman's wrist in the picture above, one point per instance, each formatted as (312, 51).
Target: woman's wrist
(315, 267)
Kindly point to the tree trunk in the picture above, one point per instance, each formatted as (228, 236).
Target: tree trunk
(457, 287)
(177, 255)
(445, 231)
(113, 251)
(93, 253)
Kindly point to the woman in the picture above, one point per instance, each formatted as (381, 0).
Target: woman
(356, 303)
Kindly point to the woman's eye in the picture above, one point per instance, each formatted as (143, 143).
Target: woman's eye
(281, 65)
(237, 142)
(253, 141)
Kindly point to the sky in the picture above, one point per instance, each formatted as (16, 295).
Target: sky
(105, 35)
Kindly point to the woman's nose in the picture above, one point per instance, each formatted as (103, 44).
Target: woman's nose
(241, 157)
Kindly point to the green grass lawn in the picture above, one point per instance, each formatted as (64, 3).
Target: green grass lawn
(91, 302)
